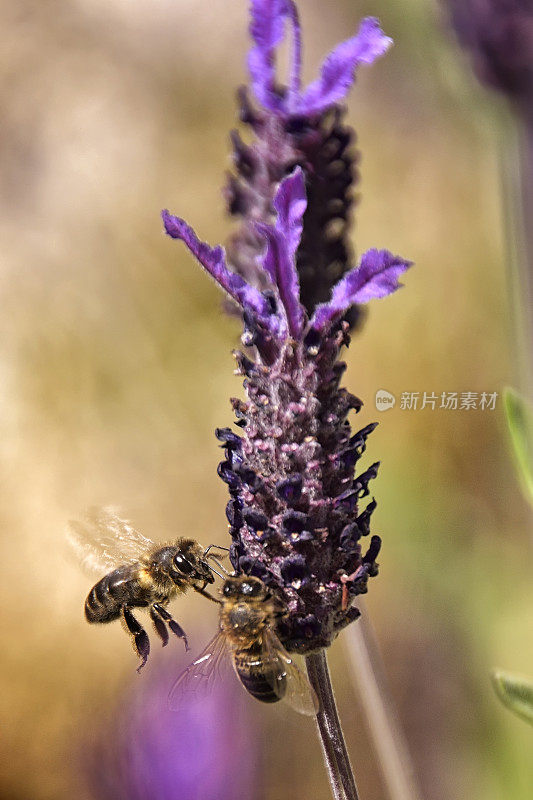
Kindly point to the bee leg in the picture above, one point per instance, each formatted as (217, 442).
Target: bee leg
(201, 590)
(172, 624)
(159, 625)
(140, 637)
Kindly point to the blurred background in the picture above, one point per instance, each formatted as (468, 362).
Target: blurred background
(115, 369)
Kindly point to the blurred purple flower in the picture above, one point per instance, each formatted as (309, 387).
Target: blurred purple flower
(152, 753)
(499, 36)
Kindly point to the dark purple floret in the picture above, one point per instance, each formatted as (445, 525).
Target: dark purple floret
(363, 520)
(255, 520)
(348, 458)
(229, 438)
(358, 440)
(251, 566)
(349, 538)
(294, 522)
(306, 628)
(347, 501)
(290, 489)
(295, 511)
(234, 512)
(361, 484)
(228, 475)
(373, 551)
(295, 572)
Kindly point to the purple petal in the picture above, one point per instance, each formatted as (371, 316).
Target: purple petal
(266, 29)
(279, 265)
(290, 203)
(279, 262)
(295, 72)
(338, 70)
(213, 259)
(376, 276)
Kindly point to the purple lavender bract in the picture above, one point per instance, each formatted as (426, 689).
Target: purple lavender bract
(294, 509)
(304, 127)
(337, 73)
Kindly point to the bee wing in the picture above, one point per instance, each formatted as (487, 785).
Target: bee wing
(299, 693)
(202, 673)
(102, 540)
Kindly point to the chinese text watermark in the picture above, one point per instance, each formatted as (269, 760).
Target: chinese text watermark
(446, 401)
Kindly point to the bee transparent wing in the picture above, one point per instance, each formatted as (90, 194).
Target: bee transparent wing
(102, 540)
(298, 694)
(201, 675)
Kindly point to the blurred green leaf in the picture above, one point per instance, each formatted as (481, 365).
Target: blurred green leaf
(519, 416)
(515, 692)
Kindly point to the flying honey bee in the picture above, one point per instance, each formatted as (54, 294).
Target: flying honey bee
(140, 574)
(265, 669)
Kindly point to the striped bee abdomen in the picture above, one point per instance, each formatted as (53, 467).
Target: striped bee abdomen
(263, 679)
(118, 588)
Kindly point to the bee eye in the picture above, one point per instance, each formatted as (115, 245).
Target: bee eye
(250, 589)
(183, 565)
(228, 589)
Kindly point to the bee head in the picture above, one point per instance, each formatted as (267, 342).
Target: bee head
(191, 567)
(245, 587)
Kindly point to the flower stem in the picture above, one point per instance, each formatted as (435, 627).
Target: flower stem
(330, 731)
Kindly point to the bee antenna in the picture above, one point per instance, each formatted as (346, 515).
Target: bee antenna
(256, 559)
(217, 546)
(219, 565)
(216, 572)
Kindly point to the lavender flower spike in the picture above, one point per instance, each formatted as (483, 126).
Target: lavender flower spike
(299, 508)
(337, 72)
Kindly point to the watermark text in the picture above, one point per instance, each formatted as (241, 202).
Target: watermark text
(445, 401)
